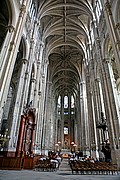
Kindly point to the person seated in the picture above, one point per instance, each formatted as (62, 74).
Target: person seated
(92, 160)
(55, 162)
(58, 158)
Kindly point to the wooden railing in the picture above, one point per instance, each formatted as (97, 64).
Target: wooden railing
(10, 163)
(18, 163)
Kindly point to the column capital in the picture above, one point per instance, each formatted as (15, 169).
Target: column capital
(97, 79)
(37, 21)
(88, 44)
(43, 76)
(39, 93)
(91, 60)
(33, 80)
(118, 44)
(26, 75)
(42, 44)
(108, 7)
(91, 92)
(24, 2)
(49, 82)
(11, 45)
(46, 61)
(84, 60)
(32, 40)
(87, 74)
(24, 60)
(93, 21)
(22, 10)
(38, 62)
(82, 82)
(81, 97)
(97, 39)
(118, 26)
(10, 28)
(106, 60)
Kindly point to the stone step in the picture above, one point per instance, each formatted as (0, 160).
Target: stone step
(64, 166)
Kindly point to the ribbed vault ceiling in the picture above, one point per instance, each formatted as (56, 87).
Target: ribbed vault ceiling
(64, 30)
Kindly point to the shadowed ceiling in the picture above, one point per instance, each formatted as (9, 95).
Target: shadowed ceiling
(65, 31)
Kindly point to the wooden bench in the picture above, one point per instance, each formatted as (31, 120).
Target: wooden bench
(93, 168)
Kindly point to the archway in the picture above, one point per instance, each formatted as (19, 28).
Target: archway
(4, 20)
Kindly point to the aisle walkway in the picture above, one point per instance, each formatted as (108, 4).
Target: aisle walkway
(64, 165)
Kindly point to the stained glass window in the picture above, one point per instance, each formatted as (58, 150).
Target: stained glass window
(66, 102)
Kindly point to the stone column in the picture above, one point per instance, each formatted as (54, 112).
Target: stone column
(56, 121)
(112, 114)
(40, 123)
(69, 119)
(50, 118)
(86, 115)
(83, 114)
(5, 50)
(92, 108)
(15, 121)
(32, 86)
(38, 133)
(115, 38)
(112, 96)
(6, 109)
(37, 100)
(39, 63)
(89, 105)
(29, 70)
(59, 129)
(43, 99)
(100, 95)
(78, 119)
(118, 28)
(95, 142)
(101, 108)
(11, 54)
(82, 118)
(62, 121)
(71, 122)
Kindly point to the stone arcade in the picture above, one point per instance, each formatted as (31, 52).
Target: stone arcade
(60, 77)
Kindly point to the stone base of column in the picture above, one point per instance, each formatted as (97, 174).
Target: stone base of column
(95, 154)
(115, 155)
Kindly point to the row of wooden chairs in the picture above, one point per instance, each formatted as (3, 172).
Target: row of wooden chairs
(83, 167)
(45, 165)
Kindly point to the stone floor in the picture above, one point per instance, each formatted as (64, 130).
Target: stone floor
(58, 175)
(64, 173)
